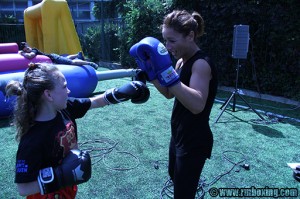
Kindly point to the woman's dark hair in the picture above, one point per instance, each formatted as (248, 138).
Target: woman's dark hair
(184, 22)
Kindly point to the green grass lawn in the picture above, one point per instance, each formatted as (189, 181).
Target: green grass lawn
(129, 148)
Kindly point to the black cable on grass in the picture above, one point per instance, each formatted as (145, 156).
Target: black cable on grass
(203, 186)
(90, 144)
(92, 147)
(103, 147)
(167, 189)
(122, 168)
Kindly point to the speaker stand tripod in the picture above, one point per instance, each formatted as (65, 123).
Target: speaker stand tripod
(235, 93)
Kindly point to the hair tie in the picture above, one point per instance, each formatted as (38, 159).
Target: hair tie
(33, 66)
(20, 89)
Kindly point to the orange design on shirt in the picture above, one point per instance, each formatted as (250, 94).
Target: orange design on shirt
(68, 139)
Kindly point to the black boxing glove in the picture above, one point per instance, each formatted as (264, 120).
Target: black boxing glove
(137, 91)
(74, 169)
(141, 76)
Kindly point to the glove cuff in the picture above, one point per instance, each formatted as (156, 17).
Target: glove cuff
(168, 77)
(110, 98)
(47, 181)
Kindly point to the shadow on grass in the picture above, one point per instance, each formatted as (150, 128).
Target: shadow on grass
(291, 122)
(268, 116)
(97, 93)
(267, 131)
(232, 119)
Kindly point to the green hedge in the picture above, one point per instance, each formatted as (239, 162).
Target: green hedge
(272, 65)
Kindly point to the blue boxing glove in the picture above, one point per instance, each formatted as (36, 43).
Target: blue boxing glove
(144, 65)
(152, 49)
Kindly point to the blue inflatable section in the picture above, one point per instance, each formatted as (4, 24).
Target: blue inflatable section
(81, 80)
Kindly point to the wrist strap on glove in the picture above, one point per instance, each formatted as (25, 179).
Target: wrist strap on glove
(110, 97)
(168, 77)
(46, 180)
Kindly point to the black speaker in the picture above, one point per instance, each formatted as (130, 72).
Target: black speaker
(240, 41)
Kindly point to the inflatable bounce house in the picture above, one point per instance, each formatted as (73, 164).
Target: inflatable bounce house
(50, 28)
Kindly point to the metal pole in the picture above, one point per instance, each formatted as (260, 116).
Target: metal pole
(115, 74)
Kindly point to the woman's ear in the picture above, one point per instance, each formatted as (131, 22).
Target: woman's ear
(191, 36)
(47, 95)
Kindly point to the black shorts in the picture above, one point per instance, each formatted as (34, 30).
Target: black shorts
(58, 59)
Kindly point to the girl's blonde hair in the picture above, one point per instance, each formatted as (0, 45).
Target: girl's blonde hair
(37, 78)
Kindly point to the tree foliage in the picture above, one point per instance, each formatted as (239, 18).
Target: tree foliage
(272, 65)
(99, 41)
(141, 19)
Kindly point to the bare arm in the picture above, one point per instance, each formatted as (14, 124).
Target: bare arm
(163, 90)
(30, 55)
(194, 97)
(98, 101)
(26, 189)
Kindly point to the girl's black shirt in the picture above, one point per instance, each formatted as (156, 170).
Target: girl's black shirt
(47, 143)
(191, 132)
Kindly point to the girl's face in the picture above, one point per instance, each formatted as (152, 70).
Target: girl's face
(60, 92)
(175, 42)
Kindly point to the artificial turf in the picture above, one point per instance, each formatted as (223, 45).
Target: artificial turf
(129, 148)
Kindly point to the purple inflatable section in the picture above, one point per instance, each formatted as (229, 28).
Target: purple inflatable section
(10, 60)
(82, 80)
(8, 48)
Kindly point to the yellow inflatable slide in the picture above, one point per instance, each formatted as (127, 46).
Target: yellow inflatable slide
(50, 28)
